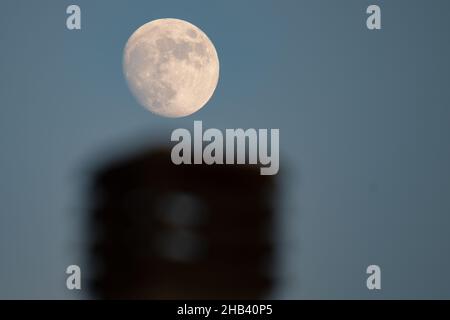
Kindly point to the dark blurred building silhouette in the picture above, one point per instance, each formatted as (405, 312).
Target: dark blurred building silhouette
(162, 231)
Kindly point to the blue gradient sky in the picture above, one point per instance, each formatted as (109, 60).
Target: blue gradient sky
(363, 118)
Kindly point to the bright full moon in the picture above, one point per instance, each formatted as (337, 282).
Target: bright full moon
(171, 67)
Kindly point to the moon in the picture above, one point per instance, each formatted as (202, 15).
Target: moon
(171, 67)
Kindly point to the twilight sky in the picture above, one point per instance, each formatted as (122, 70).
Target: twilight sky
(363, 118)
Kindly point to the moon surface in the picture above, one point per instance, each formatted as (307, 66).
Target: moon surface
(171, 67)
